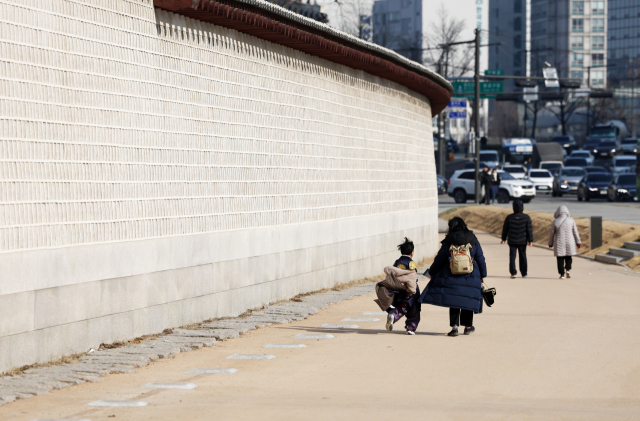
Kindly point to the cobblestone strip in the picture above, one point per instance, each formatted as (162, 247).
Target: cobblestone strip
(126, 359)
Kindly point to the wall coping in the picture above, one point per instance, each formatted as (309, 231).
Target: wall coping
(276, 24)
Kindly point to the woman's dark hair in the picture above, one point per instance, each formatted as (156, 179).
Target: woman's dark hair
(457, 224)
(406, 248)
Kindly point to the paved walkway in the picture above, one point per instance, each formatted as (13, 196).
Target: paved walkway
(548, 349)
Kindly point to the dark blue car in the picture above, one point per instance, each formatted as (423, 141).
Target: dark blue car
(622, 187)
(594, 186)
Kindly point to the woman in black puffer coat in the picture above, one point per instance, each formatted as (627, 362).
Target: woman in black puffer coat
(461, 293)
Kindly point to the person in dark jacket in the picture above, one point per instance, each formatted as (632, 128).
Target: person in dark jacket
(486, 181)
(461, 293)
(517, 231)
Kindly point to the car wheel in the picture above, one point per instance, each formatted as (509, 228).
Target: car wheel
(460, 196)
(554, 193)
(586, 197)
(559, 194)
(609, 199)
(502, 196)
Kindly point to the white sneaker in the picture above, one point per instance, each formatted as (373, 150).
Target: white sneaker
(568, 275)
(513, 276)
(410, 332)
(561, 276)
(389, 325)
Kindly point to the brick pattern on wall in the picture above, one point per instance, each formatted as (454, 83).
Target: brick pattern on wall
(120, 122)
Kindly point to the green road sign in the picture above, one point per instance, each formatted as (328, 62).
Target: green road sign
(487, 89)
(494, 72)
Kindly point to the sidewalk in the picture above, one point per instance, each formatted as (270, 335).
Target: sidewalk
(548, 349)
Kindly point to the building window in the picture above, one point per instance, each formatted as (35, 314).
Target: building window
(577, 25)
(577, 74)
(517, 6)
(597, 60)
(517, 24)
(597, 25)
(577, 7)
(497, 12)
(577, 42)
(517, 42)
(406, 26)
(577, 60)
(597, 43)
(517, 59)
(393, 17)
(597, 77)
(597, 7)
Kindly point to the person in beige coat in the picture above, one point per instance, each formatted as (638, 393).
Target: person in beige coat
(565, 240)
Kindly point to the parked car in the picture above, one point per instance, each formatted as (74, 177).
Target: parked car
(566, 182)
(594, 186)
(606, 149)
(596, 169)
(491, 158)
(542, 180)
(462, 187)
(442, 184)
(517, 171)
(623, 187)
(568, 143)
(623, 164)
(583, 154)
(576, 162)
(629, 146)
(553, 166)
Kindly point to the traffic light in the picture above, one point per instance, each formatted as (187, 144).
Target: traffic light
(522, 83)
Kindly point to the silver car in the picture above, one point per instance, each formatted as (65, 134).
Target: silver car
(622, 164)
(567, 180)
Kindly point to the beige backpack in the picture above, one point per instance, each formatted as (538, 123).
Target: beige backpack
(461, 262)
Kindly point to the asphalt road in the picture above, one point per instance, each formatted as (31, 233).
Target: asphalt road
(619, 211)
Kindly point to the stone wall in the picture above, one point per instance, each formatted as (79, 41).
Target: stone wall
(157, 171)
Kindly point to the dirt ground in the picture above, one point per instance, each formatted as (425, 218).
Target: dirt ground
(491, 218)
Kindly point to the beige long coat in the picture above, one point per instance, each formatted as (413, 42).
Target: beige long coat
(564, 236)
(396, 280)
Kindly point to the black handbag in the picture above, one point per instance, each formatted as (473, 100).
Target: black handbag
(488, 296)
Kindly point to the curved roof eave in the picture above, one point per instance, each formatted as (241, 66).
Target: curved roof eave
(271, 22)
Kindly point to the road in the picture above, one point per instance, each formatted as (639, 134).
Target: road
(548, 349)
(622, 211)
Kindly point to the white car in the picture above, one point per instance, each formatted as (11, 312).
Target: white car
(553, 166)
(517, 171)
(583, 154)
(622, 164)
(542, 180)
(462, 187)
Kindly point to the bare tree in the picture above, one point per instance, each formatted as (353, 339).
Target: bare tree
(457, 60)
(563, 110)
(350, 13)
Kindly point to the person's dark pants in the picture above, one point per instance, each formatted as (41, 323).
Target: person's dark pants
(409, 309)
(564, 262)
(488, 194)
(522, 254)
(459, 317)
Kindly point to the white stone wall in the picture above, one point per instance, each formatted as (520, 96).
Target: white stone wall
(157, 171)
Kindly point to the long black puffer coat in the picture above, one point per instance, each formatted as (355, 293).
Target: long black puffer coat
(517, 229)
(456, 291)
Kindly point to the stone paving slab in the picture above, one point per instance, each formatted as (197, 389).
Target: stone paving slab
(126, 359)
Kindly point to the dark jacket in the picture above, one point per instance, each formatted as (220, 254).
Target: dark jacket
(486, 179)
(517, 229)
(456, 291)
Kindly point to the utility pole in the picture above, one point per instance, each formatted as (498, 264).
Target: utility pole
(441, 142)
(589, 100)
(476, 114)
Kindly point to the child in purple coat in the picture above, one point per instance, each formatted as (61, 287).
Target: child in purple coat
(405, 304)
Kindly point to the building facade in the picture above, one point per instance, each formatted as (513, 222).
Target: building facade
(568, 34)
(400, 26)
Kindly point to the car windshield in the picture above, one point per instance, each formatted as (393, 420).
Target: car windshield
(630, 141)
(551, 166)
(579, 154)
(539, 174)
(506, 176)
(603, 132)
(576, 162)
(573, 172)
(622, 162)
(627, 179)
(607, 145)
(489, 156)
(513, 170)
(599, 177)
(561, 139)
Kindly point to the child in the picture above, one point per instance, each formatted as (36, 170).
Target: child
(405, 304)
